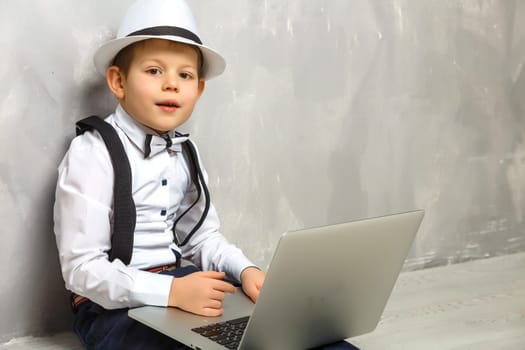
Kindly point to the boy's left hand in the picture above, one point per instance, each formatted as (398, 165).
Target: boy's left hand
(252, 280)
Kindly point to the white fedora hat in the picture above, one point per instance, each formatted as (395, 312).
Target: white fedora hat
(159, 19)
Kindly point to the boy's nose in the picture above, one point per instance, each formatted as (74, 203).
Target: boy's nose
(171, 83)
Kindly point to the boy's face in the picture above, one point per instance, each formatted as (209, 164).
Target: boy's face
(162, 85)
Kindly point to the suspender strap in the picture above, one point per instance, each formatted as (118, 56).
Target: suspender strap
(198, 180)
(124, 214)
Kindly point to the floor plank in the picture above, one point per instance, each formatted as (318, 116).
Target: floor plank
(60, 341)
(476, 305)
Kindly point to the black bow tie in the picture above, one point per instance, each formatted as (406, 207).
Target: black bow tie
(154, 144)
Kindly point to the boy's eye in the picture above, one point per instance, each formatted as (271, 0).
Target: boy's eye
(186, 75)
(154, 71)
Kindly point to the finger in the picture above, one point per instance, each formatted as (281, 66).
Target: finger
(252, 292)
(217, 295)
(224, 287)
(213, 274)
(209, 312)
(214, 304)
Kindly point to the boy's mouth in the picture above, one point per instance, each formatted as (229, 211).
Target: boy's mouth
(168, 106)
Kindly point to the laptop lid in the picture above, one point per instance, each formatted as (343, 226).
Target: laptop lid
(323, 285)
(330, 283)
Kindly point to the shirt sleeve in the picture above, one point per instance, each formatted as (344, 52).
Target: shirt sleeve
(208, 248)
(82, 224)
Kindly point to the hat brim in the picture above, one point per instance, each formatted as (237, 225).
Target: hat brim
(213, 63)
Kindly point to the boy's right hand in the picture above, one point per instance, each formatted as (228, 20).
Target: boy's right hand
(201, 293)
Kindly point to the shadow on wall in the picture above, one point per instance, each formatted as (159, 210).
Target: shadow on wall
(51, 300)
(96, 100)
(48, 297)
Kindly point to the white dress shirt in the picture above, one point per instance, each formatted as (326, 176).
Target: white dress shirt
(162, 190)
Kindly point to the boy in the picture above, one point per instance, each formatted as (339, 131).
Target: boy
(157, 75)
(156, 68)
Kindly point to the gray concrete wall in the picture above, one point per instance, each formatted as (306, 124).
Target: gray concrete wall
(329, 111)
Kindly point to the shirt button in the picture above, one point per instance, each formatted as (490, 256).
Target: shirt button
(163, 212)
(164, 182)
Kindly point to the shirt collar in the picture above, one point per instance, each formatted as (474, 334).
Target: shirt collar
(137, 134)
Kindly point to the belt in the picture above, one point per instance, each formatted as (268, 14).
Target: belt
(77, 299)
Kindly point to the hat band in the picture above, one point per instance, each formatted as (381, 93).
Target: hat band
(168, 30)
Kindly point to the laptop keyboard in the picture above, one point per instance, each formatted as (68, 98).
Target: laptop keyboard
(228, 333)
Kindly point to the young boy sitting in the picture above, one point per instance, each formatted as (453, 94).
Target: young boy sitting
(158, 75)
(156, 68)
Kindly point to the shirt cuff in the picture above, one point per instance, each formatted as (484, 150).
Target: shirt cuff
(150, 289)
(236, 267)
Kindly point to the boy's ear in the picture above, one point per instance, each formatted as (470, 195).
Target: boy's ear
(114, 79)
(202, 84)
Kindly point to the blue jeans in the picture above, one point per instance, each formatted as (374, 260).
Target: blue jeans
(101, 329)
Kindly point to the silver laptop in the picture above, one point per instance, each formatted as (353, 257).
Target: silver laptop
(323, 285)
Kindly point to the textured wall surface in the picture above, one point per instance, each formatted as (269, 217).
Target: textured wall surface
(330, 110)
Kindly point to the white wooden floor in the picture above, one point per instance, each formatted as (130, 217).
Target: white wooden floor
(61, 341)
(478, 305)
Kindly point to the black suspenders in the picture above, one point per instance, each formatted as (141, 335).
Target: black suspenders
(124, 211)
(189, 152)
